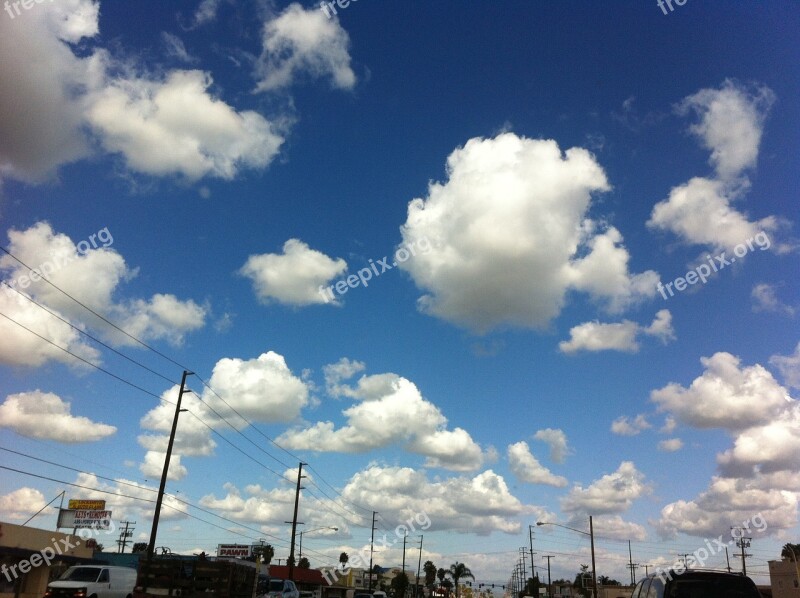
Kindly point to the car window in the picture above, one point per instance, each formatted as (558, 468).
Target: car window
(80, 574)
(103, 576)
(276, 585)
(714, 587)
(656, 589)
(637, 591)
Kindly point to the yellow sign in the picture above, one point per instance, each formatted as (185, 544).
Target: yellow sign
(87, 505)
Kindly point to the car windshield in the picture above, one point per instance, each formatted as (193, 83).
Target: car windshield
(276, 585)
(81, 574)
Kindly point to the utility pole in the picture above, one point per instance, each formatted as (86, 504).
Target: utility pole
(154, 531)
(371, 549)
(594, 570)
(647, 569)
(524, 568)
(419, 566)
(744, 543)
(530, 537)
(124, 535)
(294, 521)
(548, 557)
(727, 559)
(631, 565)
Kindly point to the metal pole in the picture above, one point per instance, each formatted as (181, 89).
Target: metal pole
(371, 548)
(152, 545)
(294, 521)
(419, 566)
(549, 590)
(594, 571)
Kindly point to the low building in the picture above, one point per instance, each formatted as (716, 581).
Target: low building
(784, 577)
(30, 558)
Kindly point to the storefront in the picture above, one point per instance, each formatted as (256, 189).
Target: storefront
(30, 558)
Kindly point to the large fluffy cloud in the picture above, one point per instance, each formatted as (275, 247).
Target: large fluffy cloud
(294, 277)
(391, 410)
(789, 367)
(527, 468)
(612, 493)
(731, 123)
(511, 236)
(759, 473)
(23, 328)
(76, 267)
(175, 126)
(41, 111)
(303, 41)
(620, 336)
(724, 396)
(262, 390)
(729, 502)
(46, 416)
(701, 211)
(159, 125)
(557, 441)
(21, 503)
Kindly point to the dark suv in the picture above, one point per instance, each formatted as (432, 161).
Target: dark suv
(695, 583)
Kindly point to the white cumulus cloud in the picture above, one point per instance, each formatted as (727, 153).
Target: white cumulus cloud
(294, 277)
(303, 41)
(511, 237)
(45, 416)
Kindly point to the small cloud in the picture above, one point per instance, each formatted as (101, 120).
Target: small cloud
(174, 48)
(765, 298)
(671, 445)
(627, 427)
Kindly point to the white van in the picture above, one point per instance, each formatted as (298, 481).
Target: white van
(93, 581)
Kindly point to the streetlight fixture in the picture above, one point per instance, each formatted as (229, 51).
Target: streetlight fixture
(316, 529)
(590, 533)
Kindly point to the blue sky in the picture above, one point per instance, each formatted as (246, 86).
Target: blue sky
(527, 174)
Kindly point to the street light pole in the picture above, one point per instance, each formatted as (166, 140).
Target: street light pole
(590, 533)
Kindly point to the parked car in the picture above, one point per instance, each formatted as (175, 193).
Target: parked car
(696, 583)
(93, 581)
(282, 588)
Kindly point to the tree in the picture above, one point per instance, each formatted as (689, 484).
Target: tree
(343, 558)
(791, 551)
(262, 553)
(441, 574)
(532, 586)
(459, 571)
(400, 584)
(604, 580)
(303, 563)
(139, 547)
(583, 581)
(430, 573)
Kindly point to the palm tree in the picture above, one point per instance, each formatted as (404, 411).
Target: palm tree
(791, 551)
(441, 574)
(459, 571)
(430, 573)
(343, 558)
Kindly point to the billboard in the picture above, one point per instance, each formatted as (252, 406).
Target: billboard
(236, 550)
(86, 505)
(80, 519)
